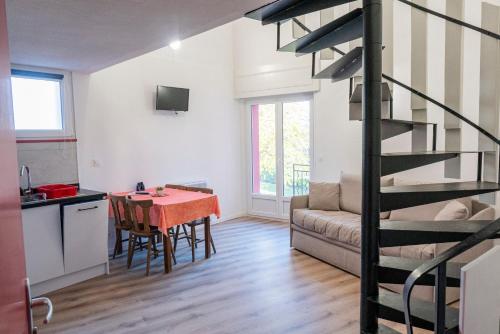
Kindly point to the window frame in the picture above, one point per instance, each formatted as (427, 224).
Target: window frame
(67, 116)
(281, 202)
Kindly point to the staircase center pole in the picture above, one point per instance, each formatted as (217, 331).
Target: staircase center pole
(370, 216)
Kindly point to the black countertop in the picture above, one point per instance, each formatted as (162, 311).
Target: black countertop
(84, 195)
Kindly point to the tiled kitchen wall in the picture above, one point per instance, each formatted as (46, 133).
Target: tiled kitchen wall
(49, 162)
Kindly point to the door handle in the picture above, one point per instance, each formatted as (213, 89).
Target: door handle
(91, 208)
(40, 301)
(35, 302)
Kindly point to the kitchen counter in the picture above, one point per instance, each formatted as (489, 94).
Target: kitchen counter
(84, 195)
(65, 240)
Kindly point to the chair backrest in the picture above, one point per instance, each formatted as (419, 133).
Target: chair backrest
(176, 186)
(140, 223)
(200, 189)
(120, 211)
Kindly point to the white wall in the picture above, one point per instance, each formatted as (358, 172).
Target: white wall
(123, 140)
(337, 141)
(259, 72)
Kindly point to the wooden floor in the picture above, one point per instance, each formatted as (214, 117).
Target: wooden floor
(254, 284)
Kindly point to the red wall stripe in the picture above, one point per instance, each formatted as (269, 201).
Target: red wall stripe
(57, 140)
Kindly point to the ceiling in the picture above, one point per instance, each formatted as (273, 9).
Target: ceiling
(88, 35)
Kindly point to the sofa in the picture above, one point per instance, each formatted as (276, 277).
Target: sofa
(326, 225)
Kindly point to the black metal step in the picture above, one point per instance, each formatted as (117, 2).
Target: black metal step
(282, 10)
(344, 68)
(399, 197)
(395, 127)
(397, 162)
(405, 233)
(341, 30)
(386, 330)
(395, 270)
(390, 307)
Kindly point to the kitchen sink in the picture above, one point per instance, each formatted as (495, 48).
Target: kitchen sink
(33, 198)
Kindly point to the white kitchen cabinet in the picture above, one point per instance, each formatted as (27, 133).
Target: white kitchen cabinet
(85, 231)
(43, 243)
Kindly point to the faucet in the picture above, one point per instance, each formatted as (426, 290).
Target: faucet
(26, 170)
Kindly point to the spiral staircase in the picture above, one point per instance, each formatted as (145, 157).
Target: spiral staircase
(440, 272)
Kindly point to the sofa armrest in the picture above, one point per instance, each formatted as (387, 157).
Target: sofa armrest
(298, 202)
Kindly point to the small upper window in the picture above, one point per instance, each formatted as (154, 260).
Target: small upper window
(37, 100)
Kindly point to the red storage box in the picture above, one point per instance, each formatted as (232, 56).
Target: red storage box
(58, 190)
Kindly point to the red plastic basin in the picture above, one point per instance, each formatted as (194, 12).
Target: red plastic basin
(58, 190)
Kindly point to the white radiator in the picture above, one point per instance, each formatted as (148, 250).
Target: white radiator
(199, 184)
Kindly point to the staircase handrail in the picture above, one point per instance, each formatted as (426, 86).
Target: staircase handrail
(451, 19)
(440, 262)
(415, 91)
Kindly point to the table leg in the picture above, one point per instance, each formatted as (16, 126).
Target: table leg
(167, 253)
(208, 249)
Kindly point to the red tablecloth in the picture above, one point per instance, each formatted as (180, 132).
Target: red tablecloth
(179, 207)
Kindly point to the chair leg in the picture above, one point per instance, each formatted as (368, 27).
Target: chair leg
(155, 251)
(186, 234)
(213, 245)
(193, 242)
(148, 260)
(131, 248)
(140, 243)
(173, 254)
(116, 248)
(176, 237)
(118, 242)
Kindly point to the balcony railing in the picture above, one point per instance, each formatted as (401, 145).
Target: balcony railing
(300, 181)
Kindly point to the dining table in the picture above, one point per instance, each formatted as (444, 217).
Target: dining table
(172, 207)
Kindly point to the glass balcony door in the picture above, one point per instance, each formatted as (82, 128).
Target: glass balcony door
(280, 154)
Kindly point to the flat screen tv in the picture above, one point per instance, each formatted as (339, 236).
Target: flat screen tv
(171, 98)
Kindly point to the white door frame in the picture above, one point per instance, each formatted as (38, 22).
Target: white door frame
(281, 203)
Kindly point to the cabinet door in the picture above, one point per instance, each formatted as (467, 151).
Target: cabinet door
(43, 243)
(85, 235)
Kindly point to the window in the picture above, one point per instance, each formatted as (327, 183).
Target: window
(296, 148)
(281, 148)
(264, 149)
(39, 105)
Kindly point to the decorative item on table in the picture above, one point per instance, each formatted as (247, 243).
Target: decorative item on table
(140, 186)
(159, 192)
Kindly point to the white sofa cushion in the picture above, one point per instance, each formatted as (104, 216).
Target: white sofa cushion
(317, 220)
(324, 196)
(345, 227)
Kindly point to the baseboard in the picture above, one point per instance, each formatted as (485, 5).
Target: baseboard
(230, 217)
(253, 215)
(63, 281)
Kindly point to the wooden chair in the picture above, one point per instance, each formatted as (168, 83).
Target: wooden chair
(142, 229)
(192, 240)
(122, 221)
(176, 235)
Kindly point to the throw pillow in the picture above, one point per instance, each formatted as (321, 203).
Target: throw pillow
(426, 211)
(351, 192)
(324, 196)
(454, 210)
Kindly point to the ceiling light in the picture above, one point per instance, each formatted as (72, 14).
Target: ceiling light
(175, 45)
